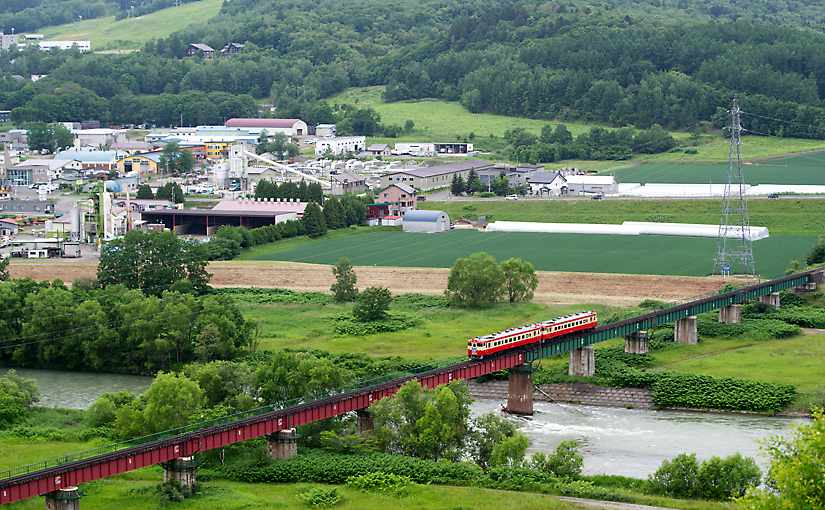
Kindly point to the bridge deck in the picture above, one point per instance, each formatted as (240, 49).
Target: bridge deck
(26, 484)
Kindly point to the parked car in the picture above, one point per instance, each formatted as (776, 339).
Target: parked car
(598, 196)
(511, 197)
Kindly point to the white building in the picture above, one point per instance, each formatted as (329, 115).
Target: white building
(546, 183)
(427, 222)
(414, 149)
(340, 145)
(595, 184)
(289, 127)
(101, 137)
(82, 46)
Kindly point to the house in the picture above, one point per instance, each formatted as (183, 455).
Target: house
(325, 130)
(343, 183)
(379, 149)
(92, 160)
(200, 50)
(434, 177)
(256, 174)
(15, 139)
(340, 145)
(5, 116)
(144, 163)
(8, 227)
(232, 48)
(289, 127)
(427, 222)
(394, 200)
(38, 171)
(547, 183)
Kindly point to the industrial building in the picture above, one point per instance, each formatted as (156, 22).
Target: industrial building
(426, 222)
(340, 145)
(92, 160)
(243, 213)
(434, 177)
(34, 171)
(289, 127)
(432, 149)
(343, 183)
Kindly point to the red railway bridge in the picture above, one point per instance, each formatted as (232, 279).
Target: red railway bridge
(174, 450)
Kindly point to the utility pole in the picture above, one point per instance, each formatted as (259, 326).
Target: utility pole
(734, 246)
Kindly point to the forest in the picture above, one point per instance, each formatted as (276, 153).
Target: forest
(675, 63)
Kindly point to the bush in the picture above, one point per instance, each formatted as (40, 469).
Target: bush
(379, 481)
(320, 496)
(728, 478)
(372, 304)
(701, 391)
(564, 462)
(346, 325)
(678, 477)
(16, 397)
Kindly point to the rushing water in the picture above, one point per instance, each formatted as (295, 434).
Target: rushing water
(633, 442)
(630, 442)
(77, 390)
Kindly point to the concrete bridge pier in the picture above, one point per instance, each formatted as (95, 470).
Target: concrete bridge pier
(63, 499)
(182, 470)
(685, 331)
(283, 444)
(771, 300)
(364, 422)
(636, 343)
(582, 362)
(520, 390)
(731, 314)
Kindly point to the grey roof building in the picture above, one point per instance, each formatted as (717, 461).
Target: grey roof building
(434, 177)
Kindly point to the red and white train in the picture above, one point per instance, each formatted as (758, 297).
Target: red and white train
(486, 345)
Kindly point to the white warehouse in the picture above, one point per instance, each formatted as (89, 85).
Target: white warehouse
(427, 222)
(340, 145)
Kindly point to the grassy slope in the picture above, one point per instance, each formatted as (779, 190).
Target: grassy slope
(441, 334)
(437, 120)
(797, 361)
(108, 34)
(786, 216)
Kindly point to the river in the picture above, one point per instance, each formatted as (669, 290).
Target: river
(629, 442)
(634, 442)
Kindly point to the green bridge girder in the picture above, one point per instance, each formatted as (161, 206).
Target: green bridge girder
(668, 315)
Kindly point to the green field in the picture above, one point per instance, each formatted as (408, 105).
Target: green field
(669, 255)
(131, 33)
(444, 121)
(798, 169)
(786, 216)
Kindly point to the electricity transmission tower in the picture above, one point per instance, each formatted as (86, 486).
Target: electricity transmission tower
(734, 247)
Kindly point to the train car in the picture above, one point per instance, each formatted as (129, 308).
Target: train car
(481, 346)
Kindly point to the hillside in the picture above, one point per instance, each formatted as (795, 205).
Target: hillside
(109, 33)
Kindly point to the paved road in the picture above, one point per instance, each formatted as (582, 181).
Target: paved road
(609, 505)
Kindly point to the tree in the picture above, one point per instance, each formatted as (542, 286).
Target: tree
(314, 222)
(170, 402)
(510, 451)
(344, 287)
(334, 214)
(152, 262)
(520, 279)
(488, 430)
(796, 472)
(473, 182)
(817, 254)
(174, 160)
(457, 186)
(171, 191)
(4, 268)
(278, 146)
(678, 477)
(564, 462)
(409, 126)
(293, 375)
(424, 423)
(49, 137)
(16, 397)
(723, 479)
(475, 281)
(263, 142)
(372, 304)
(144, 192)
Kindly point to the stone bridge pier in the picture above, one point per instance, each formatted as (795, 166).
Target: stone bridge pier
(184, 471)
(685, 331)
(636, 343)
(771, 300)
(364, 421)
(283, 444)
(63, 499)
(731, 314)
(520, 391)
(582, 362)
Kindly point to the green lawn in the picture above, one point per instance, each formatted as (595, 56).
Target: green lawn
(442, 333)
(20, 452)
(671, 255)
(787, 216)
(798, 169)
(799, 361)
(131, 33)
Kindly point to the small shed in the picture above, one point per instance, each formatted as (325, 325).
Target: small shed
(428, 222)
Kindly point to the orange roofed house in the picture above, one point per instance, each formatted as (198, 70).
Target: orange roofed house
(391, 204)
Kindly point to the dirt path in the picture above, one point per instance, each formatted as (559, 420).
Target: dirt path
(596, 288)
(609, 505)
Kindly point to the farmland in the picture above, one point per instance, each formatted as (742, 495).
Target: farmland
(130, 33)
(797, 169)
(782, 217)
(548, 252)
